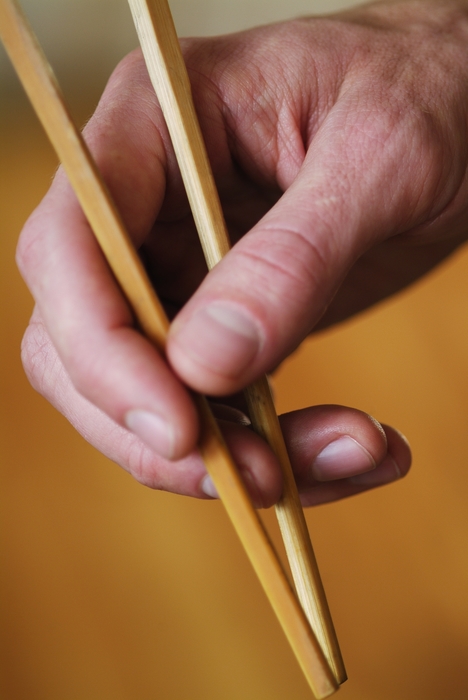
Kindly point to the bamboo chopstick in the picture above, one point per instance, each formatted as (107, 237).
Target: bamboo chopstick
(39, 83)
(166, 67)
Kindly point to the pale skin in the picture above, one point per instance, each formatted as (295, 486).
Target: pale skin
(340, 150)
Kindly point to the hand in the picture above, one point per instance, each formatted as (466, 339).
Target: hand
(339, 146)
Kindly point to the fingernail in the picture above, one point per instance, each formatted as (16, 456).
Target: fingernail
(340, 459)
(154, 430)
(385, 473)
(208, 488)
(220, 337)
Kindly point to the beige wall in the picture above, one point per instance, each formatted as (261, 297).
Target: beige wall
(110, 591)
(85, 38)
(217, 16)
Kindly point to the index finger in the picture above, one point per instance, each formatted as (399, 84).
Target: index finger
(87, 317)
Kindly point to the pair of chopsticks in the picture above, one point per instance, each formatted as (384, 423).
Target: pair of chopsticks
(307, 623)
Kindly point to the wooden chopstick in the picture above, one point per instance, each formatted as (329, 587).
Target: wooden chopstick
(166, 67)
(293, 526)
(39, 83)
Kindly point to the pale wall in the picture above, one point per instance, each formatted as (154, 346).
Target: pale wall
(85, 38)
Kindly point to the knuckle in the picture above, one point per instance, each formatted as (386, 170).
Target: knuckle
(27, 249)
(131, 66)
(39, 359)
(291, 260)
(88, 375)
(140, 462)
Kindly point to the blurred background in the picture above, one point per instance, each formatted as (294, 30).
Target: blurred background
(111, 591)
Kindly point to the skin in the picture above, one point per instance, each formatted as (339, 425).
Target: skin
(340, 150)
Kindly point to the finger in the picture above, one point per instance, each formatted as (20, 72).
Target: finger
(308, 434)
(327, 443)
(87, 318)
(338, 452)
(256, 463)
(393, 467)
(258, 304)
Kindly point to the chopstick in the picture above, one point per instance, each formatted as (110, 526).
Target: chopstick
(167, 70)
(39, 83)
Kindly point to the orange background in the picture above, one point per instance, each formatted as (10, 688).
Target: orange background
(111, 591)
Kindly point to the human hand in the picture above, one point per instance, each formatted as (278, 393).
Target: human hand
(339, 149)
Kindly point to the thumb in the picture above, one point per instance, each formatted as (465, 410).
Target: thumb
(259, 303)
